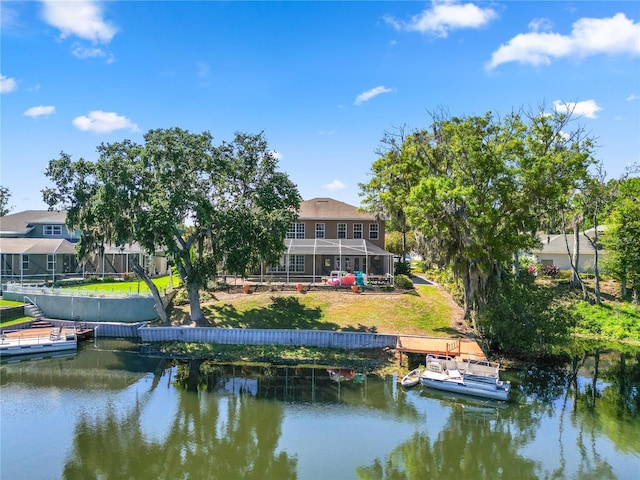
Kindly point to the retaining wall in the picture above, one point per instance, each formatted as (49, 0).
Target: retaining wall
(246, 336)
(90, 308)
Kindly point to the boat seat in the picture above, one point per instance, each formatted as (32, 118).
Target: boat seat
(55, 333)
(454, 373)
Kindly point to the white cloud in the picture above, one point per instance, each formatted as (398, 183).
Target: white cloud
(540, 24)
(589, 36)
(39, 111)
(633, 97)
(103, 122)
(444, 16)
(83, 52)
(82, 18)
(587, 108)
(369, 94)
(7, 84)
(335, 185)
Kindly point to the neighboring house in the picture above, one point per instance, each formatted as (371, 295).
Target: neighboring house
(554, 250)
(332, 235)
(36, 245)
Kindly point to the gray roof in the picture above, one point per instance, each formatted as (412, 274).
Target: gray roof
(36, 246)
(22, 222)
(330, 209)
(42, 246)
(319, 246)
(554, 244)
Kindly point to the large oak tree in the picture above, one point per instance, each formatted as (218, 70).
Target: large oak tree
(478, 187)
(207, 206)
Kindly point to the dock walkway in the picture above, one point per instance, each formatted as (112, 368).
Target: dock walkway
(457, 347)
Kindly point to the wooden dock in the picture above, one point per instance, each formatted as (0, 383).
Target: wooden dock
(456, 347)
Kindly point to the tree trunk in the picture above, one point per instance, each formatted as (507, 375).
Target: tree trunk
(194, 305)
(575, 277)
(470, 282)
(516, 265)
(159, 306)
(576, 281)
(596, 268)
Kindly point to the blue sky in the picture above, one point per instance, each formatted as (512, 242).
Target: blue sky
(323, 80)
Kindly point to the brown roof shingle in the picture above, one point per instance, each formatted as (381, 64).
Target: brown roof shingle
(330, 209)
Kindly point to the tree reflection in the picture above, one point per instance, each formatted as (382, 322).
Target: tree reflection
(460, 450)
(596, 393)
(210, 437)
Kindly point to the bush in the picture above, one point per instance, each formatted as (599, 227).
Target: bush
(523, 318)
(404, 282)
(402, 268)
(551, 271)
(181, 297)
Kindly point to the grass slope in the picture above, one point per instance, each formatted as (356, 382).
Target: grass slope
(426, 311)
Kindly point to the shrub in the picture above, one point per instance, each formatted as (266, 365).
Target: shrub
(404, 282)
(181, 297)
(551, 271)
(523, 318)
(402, 268)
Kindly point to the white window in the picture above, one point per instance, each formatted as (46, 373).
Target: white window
(51, 263)
(342, 230)
(296, 265)
(357, 230)
(296, 230)
(374, 231)
(319, 230)
(25, 262)
(51, 230)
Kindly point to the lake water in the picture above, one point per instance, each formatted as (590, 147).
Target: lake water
(107, 412)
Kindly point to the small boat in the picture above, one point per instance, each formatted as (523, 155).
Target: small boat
(478, 378)
(37, 341)
(412, 378)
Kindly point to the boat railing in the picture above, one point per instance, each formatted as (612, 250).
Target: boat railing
(481, 368)
(13, 338)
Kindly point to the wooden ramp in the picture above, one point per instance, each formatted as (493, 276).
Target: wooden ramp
(456, 347)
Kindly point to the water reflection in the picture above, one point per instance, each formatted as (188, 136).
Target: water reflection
(130, 416)
(597, 395)
(206, 440)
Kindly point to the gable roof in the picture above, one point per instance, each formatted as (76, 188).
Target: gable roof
(22, 222)
(555, 244)
(322, 208)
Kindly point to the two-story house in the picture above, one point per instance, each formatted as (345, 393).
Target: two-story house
(36, 245)
(332, 235)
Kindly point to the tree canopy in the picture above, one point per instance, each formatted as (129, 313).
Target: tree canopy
(5, 195)
(622, 237)
(206, 206)
(477, 187)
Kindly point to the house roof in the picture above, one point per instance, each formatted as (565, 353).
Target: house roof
(36, 246)
(555, 244)
(342, 247)
(329, 209)
(42, 246)
(22, 222)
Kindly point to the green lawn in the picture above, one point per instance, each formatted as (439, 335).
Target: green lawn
(612, 320)
(9, 303)
(423, 312)
(132, 287)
